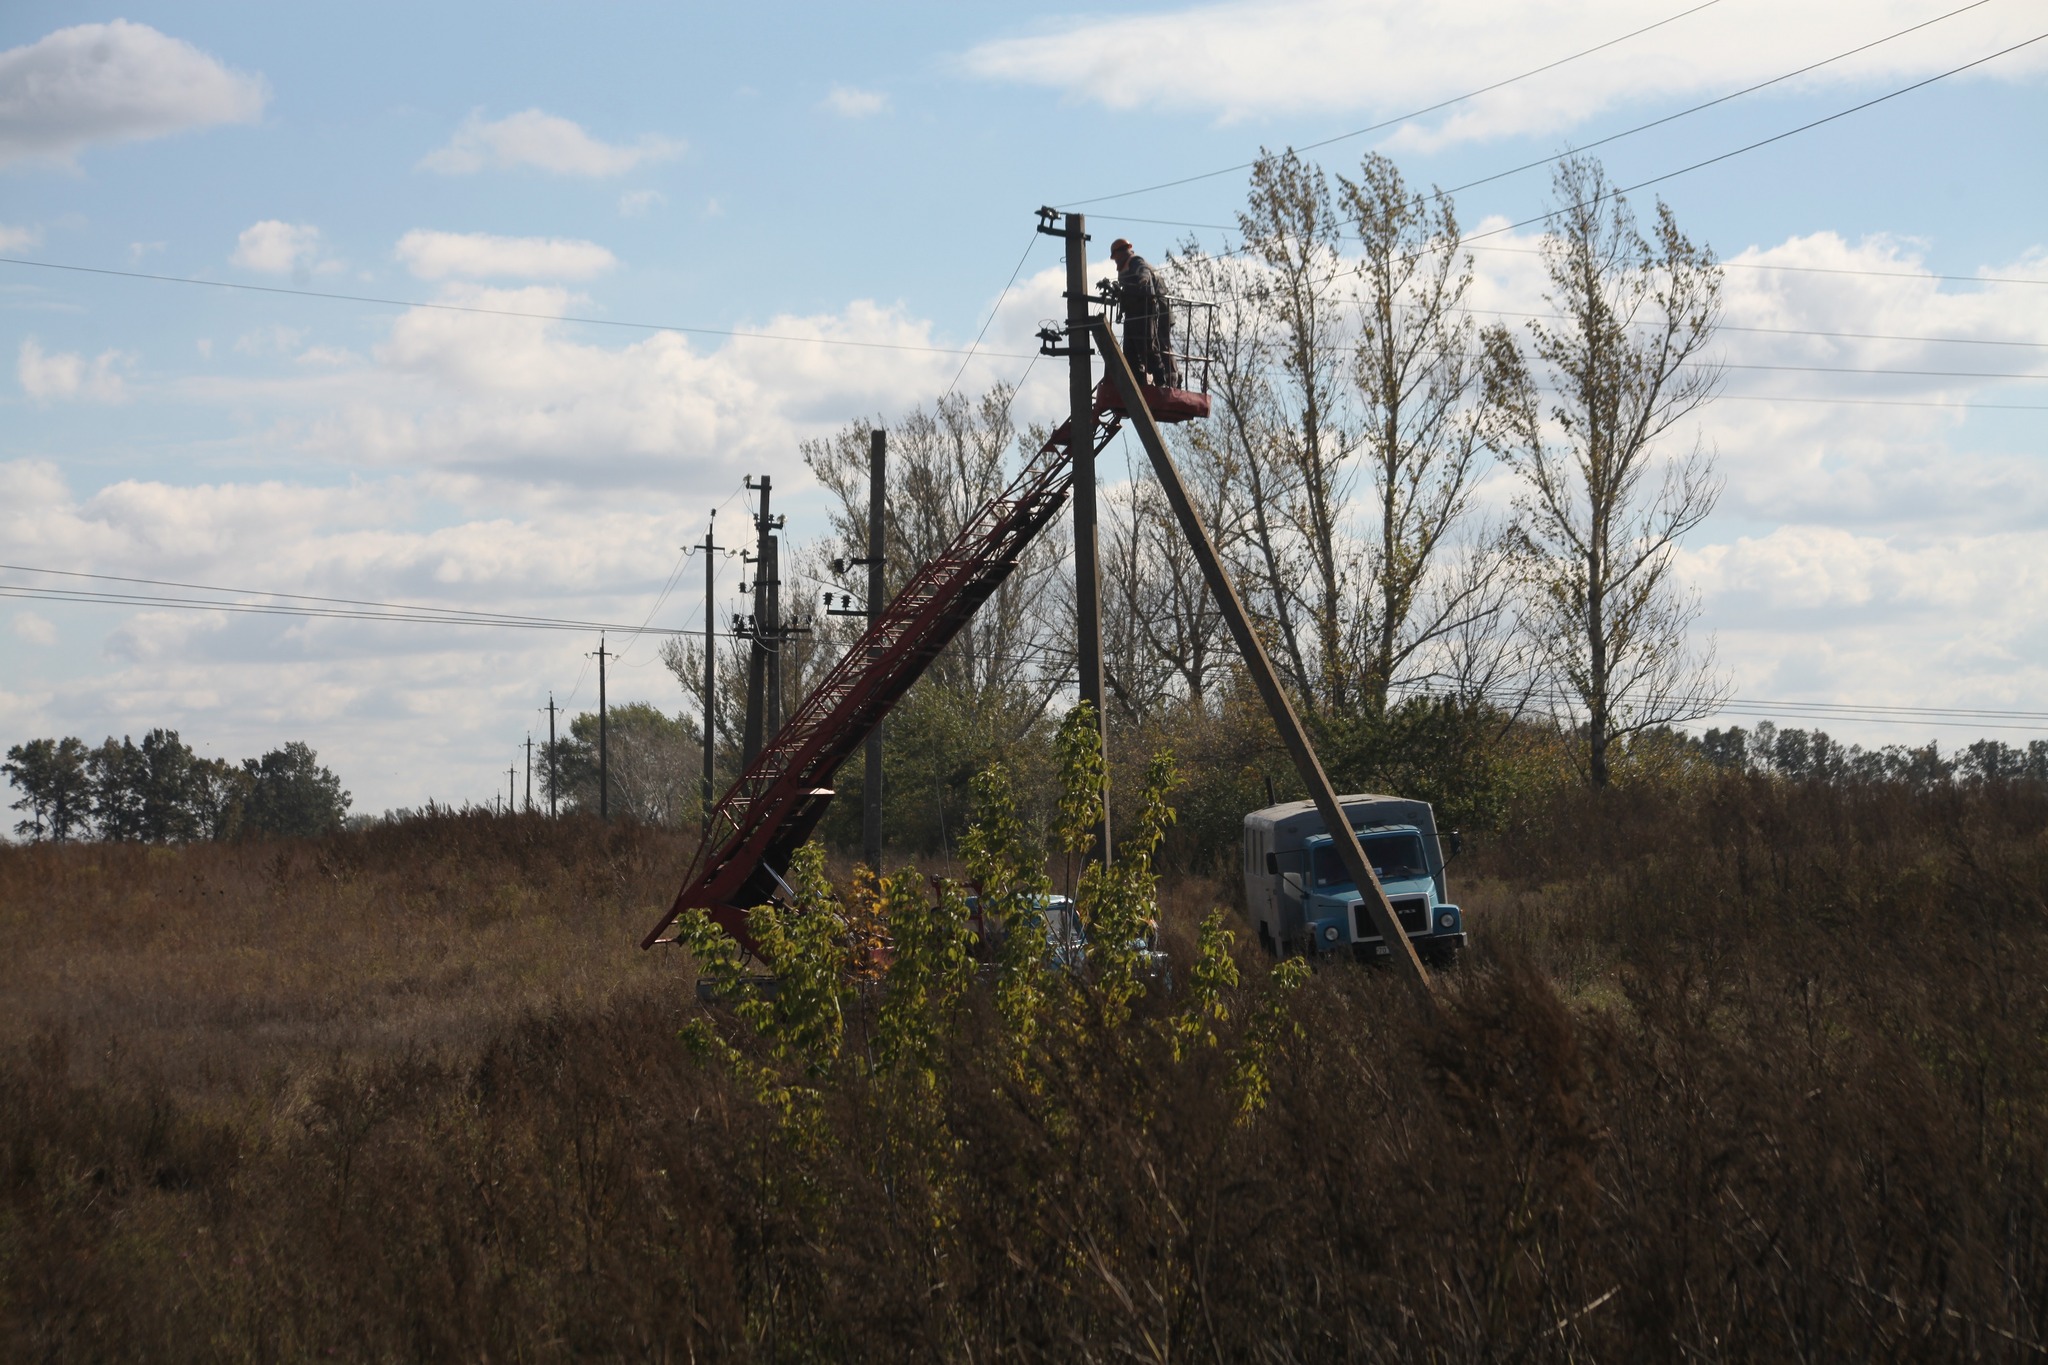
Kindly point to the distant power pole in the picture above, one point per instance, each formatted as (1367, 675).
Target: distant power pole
(871, 785)
(710, 666)
(771, 630)
(511, 789)
(529, 772)
(760, 629)
(554, 783)
(604, 755)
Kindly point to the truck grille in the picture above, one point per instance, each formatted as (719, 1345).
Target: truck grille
(1411, 911)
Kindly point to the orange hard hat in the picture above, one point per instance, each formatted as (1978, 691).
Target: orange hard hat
(1121, 244)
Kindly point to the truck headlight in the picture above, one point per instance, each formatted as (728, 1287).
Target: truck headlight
(1329, 933)
(1446, 920)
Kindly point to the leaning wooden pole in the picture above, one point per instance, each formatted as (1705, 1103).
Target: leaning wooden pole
(1374, 896)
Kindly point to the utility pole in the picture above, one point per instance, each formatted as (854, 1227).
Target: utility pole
(554, 782)
(771, 630)
(757, 658)
(511, 789)
(604, 755)
(529, 772)
(1081, 444)
(710, 667)
(871, 784)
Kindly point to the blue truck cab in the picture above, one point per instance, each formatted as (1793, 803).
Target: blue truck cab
(1301, 899)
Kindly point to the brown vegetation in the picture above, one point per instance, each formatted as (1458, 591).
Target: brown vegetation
(1744, 1070)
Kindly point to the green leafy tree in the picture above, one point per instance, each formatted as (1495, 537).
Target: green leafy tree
(655, 764)
(289, 792)
(157, 792)
(55, 790)
(1008, 872)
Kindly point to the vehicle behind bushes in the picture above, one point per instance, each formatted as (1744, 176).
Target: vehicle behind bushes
(1303, 901)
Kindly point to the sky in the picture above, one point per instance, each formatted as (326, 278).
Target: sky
(619, 189)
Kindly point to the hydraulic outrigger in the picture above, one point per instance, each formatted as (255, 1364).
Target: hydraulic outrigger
(774, 805)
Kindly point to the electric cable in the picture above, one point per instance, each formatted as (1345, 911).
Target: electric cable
(1418, 113)
(989, 321)
(1736, 94)
(498, 312)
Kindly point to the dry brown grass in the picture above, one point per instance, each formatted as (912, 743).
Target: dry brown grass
(1745, 1072)
(214, 968)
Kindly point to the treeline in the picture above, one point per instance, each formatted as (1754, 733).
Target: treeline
(159, 791)
(1811, 756)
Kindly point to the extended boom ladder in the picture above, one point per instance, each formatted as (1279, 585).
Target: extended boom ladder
(775, 804)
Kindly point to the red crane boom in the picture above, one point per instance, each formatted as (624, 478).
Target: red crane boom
(774, 805)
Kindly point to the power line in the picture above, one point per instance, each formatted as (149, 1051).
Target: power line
(1403, 118)
(502, 312)
(1772, 265)
(1903, 374)
(1723, 99)
(1725, 265)
(1788, 331)
(347, 608)
(415, 615)
(990, 319)
(1883, 402)
(1777, 137)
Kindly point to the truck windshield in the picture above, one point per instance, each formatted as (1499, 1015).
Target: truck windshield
(1394, 857)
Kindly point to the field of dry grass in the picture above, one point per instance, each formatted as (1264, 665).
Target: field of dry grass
(215, 968)
(1744, 1071)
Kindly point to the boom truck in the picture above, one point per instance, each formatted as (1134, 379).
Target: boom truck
(1302, 900)
(772, 807)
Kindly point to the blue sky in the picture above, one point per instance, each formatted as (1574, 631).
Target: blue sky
(869, 173)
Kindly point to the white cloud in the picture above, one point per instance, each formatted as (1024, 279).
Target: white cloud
(635, 203)
(63, 374)
(272, 247)
(850, 102)
(276, 339)
(1377, 58)
(477, 255)
(545, 141)
(19, 238)
(34, 629)
(113, 82)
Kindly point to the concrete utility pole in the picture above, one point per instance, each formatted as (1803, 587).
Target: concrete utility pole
(529, 772)
(871, 784)
(604, 754)
(772, 632)
(512, 789)
(554, 784)
(1260, 666)
(757, 657)
(710, 666)
(1081, 442)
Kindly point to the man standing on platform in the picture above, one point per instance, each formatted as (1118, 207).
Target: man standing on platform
(1148, 320)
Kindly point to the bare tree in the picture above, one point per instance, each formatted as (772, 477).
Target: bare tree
(944, 465)
(1622, 368)
(1163, 638)
(1292, 231)
(1421, 395)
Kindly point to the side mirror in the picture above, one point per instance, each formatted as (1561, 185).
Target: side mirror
(1272, 864)
(1457, 841)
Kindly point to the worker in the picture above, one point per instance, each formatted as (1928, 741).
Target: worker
(1148, 319)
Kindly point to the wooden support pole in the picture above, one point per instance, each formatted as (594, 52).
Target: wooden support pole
(1374, 896)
